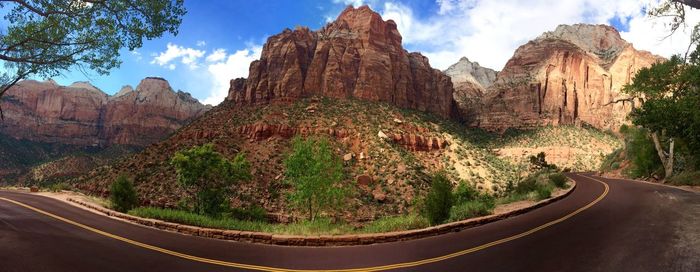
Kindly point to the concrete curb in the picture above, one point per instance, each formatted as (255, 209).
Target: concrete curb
(323, 240)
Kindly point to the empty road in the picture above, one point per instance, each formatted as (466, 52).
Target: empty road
(604, 225)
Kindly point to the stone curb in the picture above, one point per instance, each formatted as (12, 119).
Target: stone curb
(323, 240)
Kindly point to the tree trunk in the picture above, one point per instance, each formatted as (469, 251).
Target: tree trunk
(666, 160)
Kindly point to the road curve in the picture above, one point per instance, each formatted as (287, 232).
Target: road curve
(604, 225)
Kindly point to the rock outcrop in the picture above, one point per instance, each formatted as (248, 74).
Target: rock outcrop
(81, 114)
(569, 76)
(470, 81)
(359, 55)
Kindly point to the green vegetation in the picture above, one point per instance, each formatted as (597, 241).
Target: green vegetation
(123, 195)
(670, 114)
(644, 162)
(252, 213)
(316, 174)
(59, 186)
(210, 174)
(689, 178)
(42, 39)
(439, 200)
(396, 223)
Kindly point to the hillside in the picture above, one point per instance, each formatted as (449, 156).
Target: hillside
(387, 174)
(46, 123)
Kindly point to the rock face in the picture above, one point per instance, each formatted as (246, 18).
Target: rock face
(81, 114)
(470, 82)
(359, 55)
(568, 76)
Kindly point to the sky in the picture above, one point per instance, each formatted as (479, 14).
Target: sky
(219, 38)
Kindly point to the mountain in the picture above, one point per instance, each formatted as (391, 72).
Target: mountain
(391, 127)
(571, 75)
(470, 81)
(359, 55)
(51, 121)
(81, 114)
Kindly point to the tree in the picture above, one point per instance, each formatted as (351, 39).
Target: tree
(439, 200)
(210, 174)
(46, 37)
(671, 94)
(123, 195)
(316, 174)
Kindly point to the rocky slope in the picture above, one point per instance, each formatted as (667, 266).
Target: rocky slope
(53, 121)
(81, 114)
(470, 81)
(359, 55)
(567, 76)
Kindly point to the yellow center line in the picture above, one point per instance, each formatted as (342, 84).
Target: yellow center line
(277, 269)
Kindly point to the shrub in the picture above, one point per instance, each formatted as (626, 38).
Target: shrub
(471, 209)
(686, 178)
(396, 223)
(543, 192)
(439, 200)
(59, 186)
(252, 213)
(641, 153)
(558, 180)
(210, 174)
(316, 174)
(123, 195)
(465, 192)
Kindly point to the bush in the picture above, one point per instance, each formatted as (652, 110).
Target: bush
(471, 209)
(123, 195)
(465, 192)
(641, 153)
(439, 200)
(558, 180)
(543, 192)
(60, 186)
(252, 213)
(210, 174)
(686, 178)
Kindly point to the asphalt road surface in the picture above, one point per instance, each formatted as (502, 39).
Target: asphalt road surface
(604, 225)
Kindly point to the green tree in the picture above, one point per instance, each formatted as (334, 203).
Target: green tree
(439, 200)
(670, 92)
(46, 37)
(123, 195)
(316, 174)
(210, 174)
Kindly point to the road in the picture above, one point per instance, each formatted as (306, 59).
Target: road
(604, 225)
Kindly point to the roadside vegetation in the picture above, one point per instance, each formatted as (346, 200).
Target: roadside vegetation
(314, 173)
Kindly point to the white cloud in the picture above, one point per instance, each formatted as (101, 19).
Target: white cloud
(187, 56)
(137, 55)
(226, 68)
(355, 3)
(201, 43)
(489, 31)
(217, 55)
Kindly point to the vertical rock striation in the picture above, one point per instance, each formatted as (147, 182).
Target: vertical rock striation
(359, 55)
(568, 76)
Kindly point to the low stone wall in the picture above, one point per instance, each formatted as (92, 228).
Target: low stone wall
(322, 240)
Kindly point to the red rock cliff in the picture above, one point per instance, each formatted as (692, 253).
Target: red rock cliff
(359, 55)
(567, 76)
(81, 114)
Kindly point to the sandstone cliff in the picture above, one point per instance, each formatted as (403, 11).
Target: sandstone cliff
(470, 81)
(567, 76)
(359, 55)
(81, 114)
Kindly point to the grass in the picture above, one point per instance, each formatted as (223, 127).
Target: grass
(470, 209)
(321, 226)
(396, 223)
(686, 178)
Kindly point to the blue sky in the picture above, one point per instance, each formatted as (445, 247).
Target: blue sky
(218, 38)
